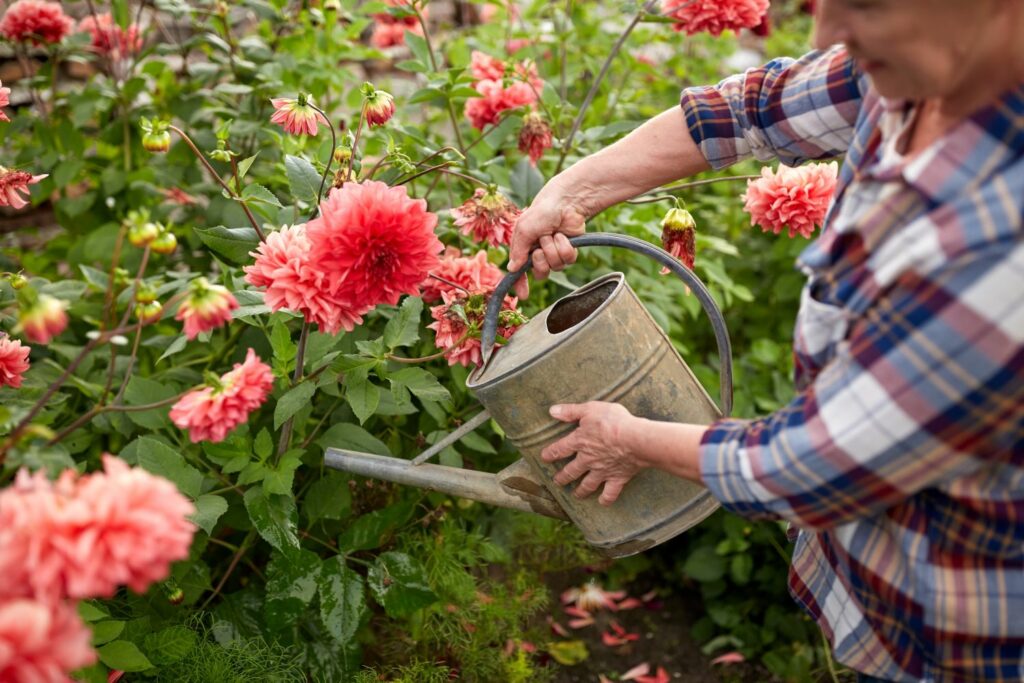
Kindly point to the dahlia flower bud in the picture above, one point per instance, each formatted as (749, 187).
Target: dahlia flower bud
(156, 137)
(678, 238)
(207, 307)
(122, 277)
(145, 293)
(42, 319)
(342, 155)
(141, 234)
(379, 105)
(165, 243)
(534, 136)
(148, 312)
(297, 116)
(13, 361)
(678, 219)
(17, 280)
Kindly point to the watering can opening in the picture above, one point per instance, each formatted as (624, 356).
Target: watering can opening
(578, 306)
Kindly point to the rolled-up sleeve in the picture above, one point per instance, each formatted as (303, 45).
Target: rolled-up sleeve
(790, 110)
(928, 386)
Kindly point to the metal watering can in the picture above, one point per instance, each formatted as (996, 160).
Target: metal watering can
(596, 344)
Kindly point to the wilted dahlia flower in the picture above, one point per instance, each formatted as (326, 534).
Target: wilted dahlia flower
(488, 215)
(459, 321)
(534, 136)
(110, 39)
(43, 319)
(471, 274)
(15, 183)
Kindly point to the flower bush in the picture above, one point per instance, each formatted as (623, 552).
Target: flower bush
(235, 235)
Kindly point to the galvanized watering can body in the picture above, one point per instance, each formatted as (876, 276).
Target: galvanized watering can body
(596, 344)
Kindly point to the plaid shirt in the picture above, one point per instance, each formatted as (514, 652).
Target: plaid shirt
(901, 460)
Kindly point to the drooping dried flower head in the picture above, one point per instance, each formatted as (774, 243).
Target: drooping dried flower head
(42, 642)
(678, 237)
(35, 21)
(534, 136)
(374, 243)
(284, 265)
(110, 39)
(797, 198)
(471, 274)
(15, 183)
(488, 215)
(42, 319)
(211, 412)
(714, 16)
(459, 320)
(296, 116)
(207, 307)
(13, 361)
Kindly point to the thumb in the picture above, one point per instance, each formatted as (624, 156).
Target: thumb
(566, 412)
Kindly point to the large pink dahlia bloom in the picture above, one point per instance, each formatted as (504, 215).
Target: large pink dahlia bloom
(793, 197)
(13, 361)
(374, 243)
(35, 21)
(714, 16)
(471, 274)
(210, 413)
(42, 642)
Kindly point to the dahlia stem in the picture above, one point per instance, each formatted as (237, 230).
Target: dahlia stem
(355, 143)
(433, 63)
(448, 282)
(334, 146)
(650, 199)
(220, 181)
(100, 409)
(300, 356)
(443, 168)
(485, 133)
(567, 145)
(434, 356)
(316, 430)
(242, 549)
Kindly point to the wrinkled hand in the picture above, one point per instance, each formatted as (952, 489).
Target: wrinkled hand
(602, 456)
(549, 222)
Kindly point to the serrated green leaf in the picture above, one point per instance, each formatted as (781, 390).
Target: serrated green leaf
(123, 655)
(291, 583)
(278, 479)
(209, 509)
(352, 437)
(399, 584)
(362, 395)
(704, 565)
(526, 182)
(175, 346)
(404, 328)
(273, 516)
(169, 645)
(342, 599)
(166, 462)
(231, 244)
(258, 193)
(419, 49)
(420, 382)
(263, 444)
(244, 164)
(105, 631)
(303, 179)
(142, 391)
(282, 344)
(328, 498)
(293, 400)
(373, 529)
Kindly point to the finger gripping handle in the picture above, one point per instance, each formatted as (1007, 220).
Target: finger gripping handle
(490, 329)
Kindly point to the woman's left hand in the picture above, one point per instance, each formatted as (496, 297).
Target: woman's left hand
(600, 446)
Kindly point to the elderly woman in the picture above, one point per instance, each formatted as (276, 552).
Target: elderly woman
(901, 459)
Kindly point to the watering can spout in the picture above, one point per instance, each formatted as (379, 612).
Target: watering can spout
(512, 488)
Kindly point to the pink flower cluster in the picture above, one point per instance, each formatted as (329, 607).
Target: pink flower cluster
(210, 412)
(35, 21)
(458, 322)
(797, 198)
(5, 99)
(534, 136)
(110, 39)
(389, 31)
(714, 16)
(79, 537)
(472, 274)
(491, 74)
(14, 183)
(13, 361)
(488, 216)
(296, 115)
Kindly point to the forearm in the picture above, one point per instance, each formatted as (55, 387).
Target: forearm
(673, 447)
(658, 152)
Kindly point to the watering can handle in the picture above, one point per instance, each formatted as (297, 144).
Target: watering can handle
(490, 329)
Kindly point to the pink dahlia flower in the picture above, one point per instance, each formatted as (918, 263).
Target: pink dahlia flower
(487, 215)
(485, 67)
(43, 320)
(13, 362)
(35, 21)
(110, 39)
(5, 99)
(389, 30)
(490, 11)
(211, 412)
(459, 321)
(296, 116)
(29, 510)
(284, 266)
(42, 642)
(496, 98)
(13, 184)
(471, 274)
(714, 16)
(793, 197)
(374, 243)
(514, 45)
(207, 307)
(534, 136)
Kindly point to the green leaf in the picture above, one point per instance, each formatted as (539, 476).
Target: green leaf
(373, 529)
(142, 391)
(399, 584)
(741, 567)
(105, 631)
(209, 509)
(91, 612)
(278, 479)
(291, 583)
(177, 345)
(526, 182)
(231, 244)
(420, 382)
(282, 344)
(169, 645)
(352, 437)
(261, 195)
(273, 516)
(123, 655)
(342, 599)
(704, 565)
(263, 445)
(328, 498)
(166, 462)
(303, 179)
(477, 443)
(419, 49)
(244, 164)
(293, 400)
(569, 652)
(404, 328)
(362, 395)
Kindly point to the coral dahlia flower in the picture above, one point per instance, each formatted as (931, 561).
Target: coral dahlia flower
(15, 183)
(471, 274)
(485, 67)
(43, 319)
(678, 238)
(487, 215)
(714, 16)
(207, 307)
(296, 116)
(42, 642)
(459, 321)
(13, 362)
(110, 39)
(284, 265)
(389, 30)
(374, 243)
(496, 98)
(35, 21)
(534, 136)
(211, 412)
(5, 99)
(797, 198)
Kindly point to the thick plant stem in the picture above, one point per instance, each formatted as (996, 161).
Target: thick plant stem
(242, 549)
(355, 143)
(216, 176)
(300, 358)
(567, 145)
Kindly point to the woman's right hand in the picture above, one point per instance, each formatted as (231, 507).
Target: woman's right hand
(549, 222)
